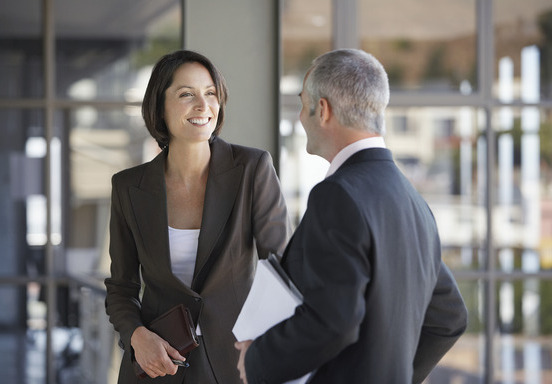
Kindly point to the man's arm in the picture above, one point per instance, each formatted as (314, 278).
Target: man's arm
(328, 256)
(445, 321)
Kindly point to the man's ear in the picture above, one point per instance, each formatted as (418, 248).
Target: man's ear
(325, 110)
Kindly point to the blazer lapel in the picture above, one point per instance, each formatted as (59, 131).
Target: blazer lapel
(149, 204)
(222, 188)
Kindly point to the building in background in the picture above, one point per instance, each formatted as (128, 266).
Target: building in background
(469, 122)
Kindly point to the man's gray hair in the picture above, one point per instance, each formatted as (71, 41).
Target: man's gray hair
(356, 86)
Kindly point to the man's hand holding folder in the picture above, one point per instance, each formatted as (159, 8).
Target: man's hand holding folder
(273, 298)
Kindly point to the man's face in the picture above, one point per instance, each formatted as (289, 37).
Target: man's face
(309, 121)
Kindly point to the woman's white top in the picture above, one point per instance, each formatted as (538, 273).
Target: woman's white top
(183, 248)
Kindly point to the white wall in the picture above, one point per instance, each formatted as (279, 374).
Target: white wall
(240, 37)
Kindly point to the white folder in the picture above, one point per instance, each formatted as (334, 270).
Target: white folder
(273, 298)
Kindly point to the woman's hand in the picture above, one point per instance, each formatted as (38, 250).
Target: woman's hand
(153, 353)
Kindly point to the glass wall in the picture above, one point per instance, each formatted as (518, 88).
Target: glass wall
(70, 119)
(522, 213)
(306, 33)
(429, 46)
(523, 221)
(469, 123)
(523, 50)
(21, 50)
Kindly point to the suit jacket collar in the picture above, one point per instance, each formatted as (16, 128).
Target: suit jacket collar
(369, 154)
(149, 202)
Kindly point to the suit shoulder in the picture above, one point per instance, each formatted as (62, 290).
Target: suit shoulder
(244, 151)
(134, 175)
(331, 186)
(250, 155)
(130, 175)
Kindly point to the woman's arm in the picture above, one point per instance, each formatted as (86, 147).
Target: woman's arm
(271, 223)
(123, 286)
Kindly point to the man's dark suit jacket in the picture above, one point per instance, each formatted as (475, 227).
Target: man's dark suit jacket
(244, 212)
(379, 305)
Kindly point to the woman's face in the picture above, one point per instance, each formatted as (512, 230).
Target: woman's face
(191, 104)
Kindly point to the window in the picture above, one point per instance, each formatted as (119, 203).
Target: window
(476, 146)
(59, 148)
(429, 46)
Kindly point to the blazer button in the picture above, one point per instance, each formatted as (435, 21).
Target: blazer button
(197, 299)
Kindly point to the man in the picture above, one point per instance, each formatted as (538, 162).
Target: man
(379, 304)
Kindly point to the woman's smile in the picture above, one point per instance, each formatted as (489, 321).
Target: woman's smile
(200, 120)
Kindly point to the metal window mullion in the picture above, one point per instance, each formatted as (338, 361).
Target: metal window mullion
(278, 55)
(49, 94)
(490, 299)
(485, 50)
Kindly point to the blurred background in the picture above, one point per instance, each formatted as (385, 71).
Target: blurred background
(469, 122)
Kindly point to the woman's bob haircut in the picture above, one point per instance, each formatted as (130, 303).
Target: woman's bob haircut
(153, 105)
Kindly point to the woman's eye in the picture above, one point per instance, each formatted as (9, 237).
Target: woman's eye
(211, 93)
(186, 94)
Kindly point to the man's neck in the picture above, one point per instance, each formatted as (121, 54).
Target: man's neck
(344, 137)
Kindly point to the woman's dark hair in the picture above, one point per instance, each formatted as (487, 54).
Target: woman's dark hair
(153, 105)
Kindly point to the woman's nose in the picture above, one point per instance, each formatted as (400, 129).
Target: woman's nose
(201, 103)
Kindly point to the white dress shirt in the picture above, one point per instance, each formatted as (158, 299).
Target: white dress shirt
(351, 149)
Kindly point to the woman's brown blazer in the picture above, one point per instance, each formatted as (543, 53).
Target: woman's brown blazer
(244, 215)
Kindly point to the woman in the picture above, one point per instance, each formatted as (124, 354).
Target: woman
(186, 228)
